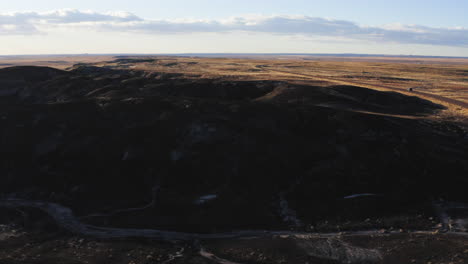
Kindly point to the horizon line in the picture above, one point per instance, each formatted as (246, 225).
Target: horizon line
(238, 54)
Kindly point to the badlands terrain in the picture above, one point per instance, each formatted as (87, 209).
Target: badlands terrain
(242, 159)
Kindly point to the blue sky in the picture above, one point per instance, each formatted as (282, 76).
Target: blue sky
(397, 27)
(442, 13)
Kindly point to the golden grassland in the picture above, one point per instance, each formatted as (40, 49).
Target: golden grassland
(441, 80)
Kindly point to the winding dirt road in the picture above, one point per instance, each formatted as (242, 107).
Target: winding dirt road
(323, 245)
(330, 248)
(65, 218)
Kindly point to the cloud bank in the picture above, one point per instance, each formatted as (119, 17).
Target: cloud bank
(27, 23)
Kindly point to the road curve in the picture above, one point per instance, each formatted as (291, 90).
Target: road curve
(333, 247)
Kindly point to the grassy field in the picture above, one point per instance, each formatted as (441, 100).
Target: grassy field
(448, 80)
(441, 80)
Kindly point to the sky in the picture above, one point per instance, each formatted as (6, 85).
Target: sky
(411, 27)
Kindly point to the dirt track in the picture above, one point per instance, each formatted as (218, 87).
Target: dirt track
(334, 247)
(428, 96)
(65, 218)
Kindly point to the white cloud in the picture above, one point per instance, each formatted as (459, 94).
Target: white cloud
(26, 23)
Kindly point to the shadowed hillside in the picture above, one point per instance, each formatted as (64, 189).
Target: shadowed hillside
(97, 139)
(141, 149)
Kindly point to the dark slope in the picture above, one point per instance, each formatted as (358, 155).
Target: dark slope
(16, 79)
(352, 98)
(30, 74)
(99, 140)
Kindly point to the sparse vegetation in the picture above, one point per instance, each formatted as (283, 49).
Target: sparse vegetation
(340, 154)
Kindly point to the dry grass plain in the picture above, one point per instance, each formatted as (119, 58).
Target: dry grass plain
(441, 80)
